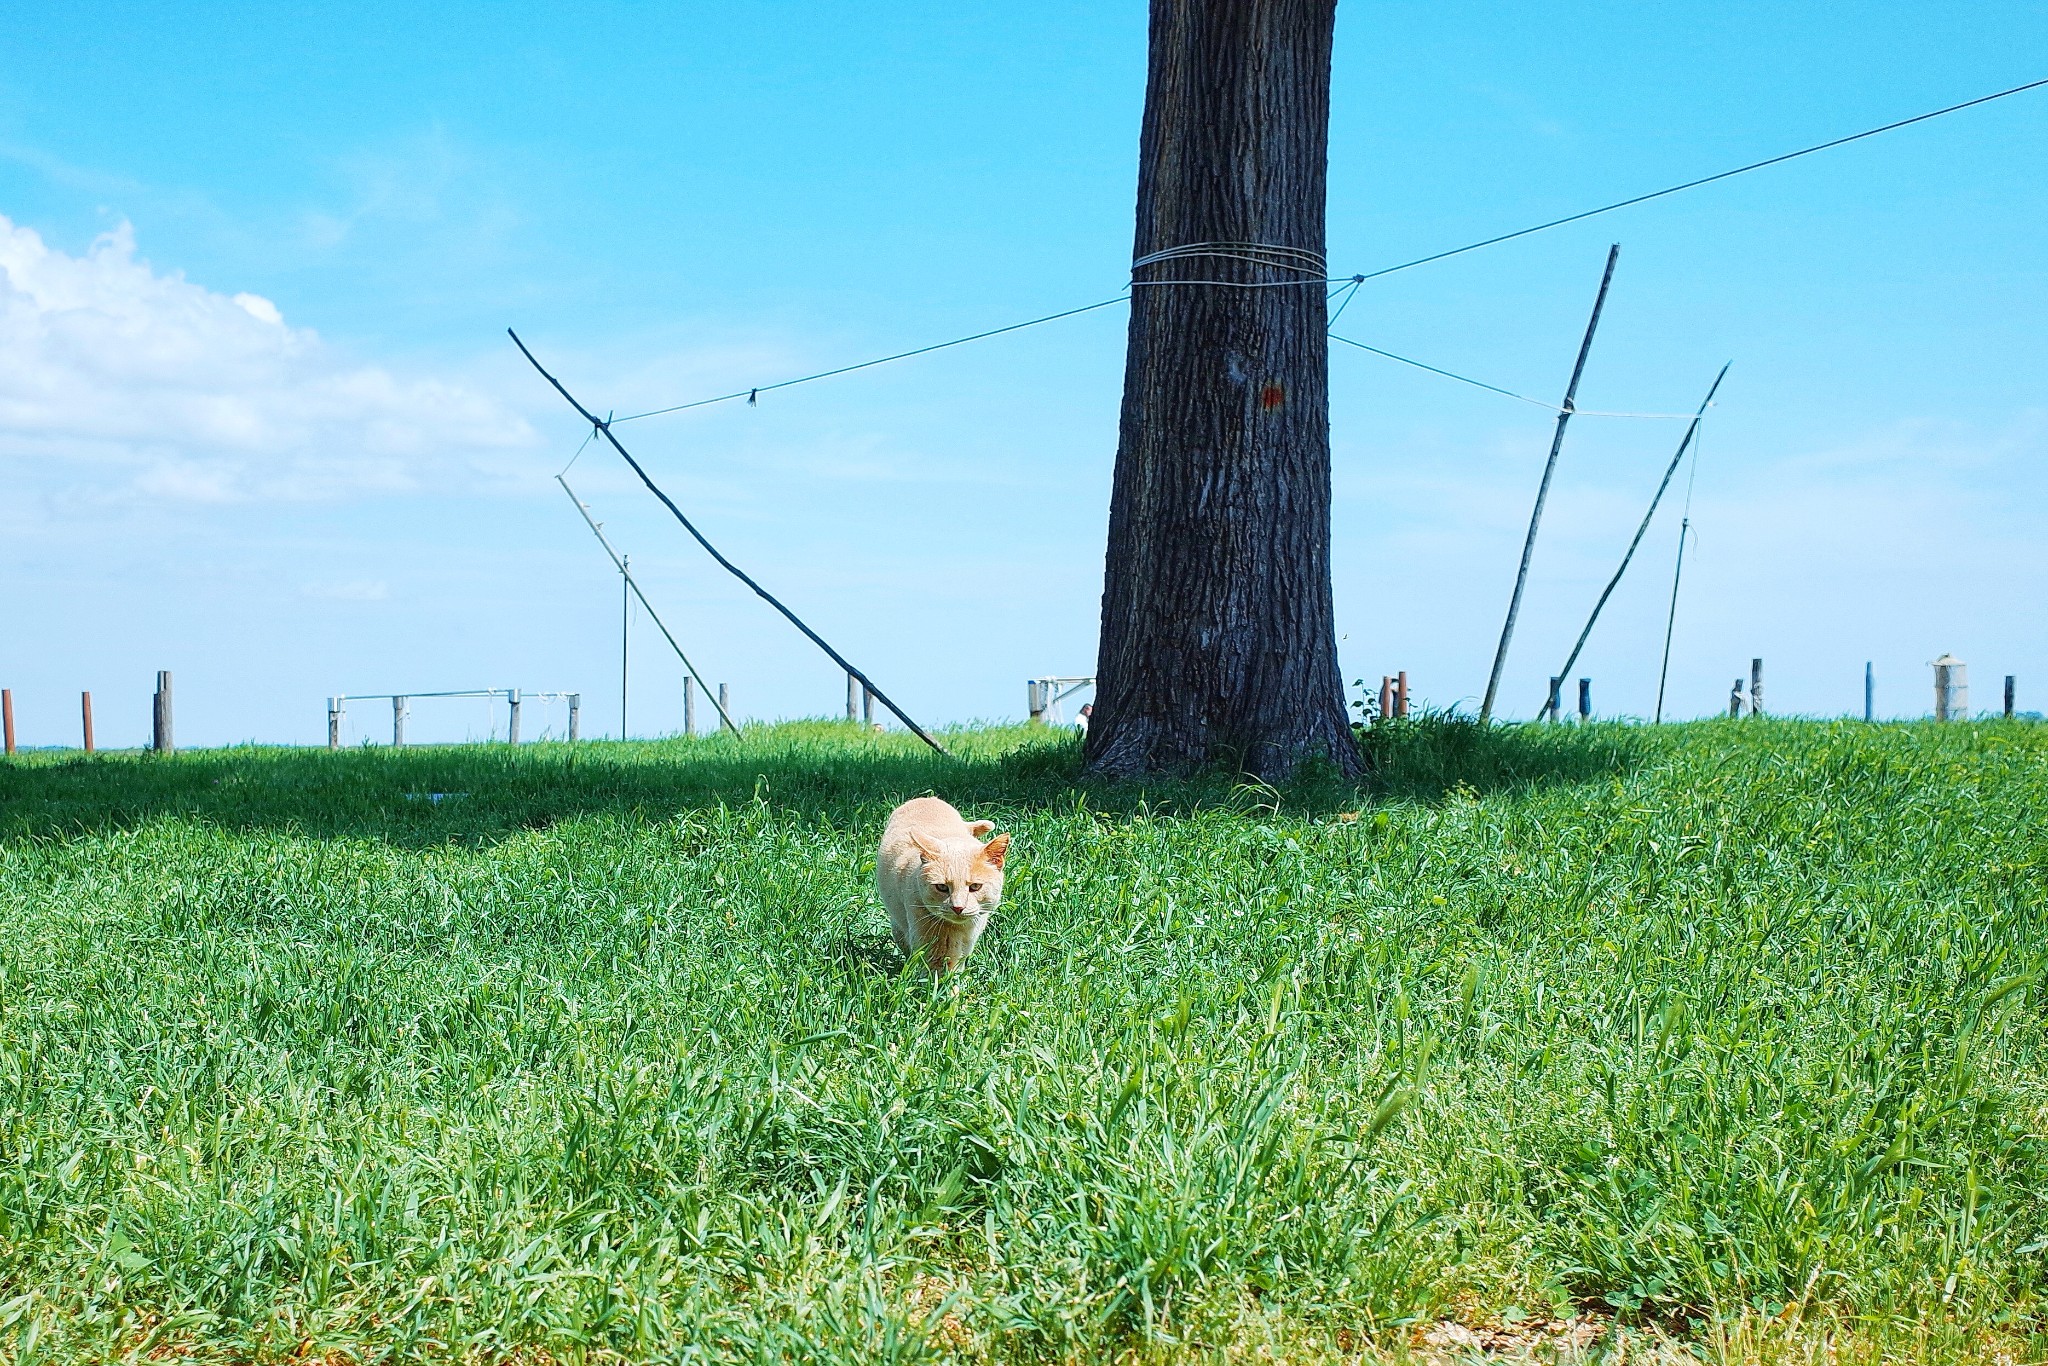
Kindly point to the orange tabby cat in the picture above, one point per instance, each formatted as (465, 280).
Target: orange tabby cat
(939, 881)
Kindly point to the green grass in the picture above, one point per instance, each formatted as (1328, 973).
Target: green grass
(1731, 1031)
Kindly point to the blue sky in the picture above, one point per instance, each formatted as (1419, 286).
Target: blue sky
(259, 422)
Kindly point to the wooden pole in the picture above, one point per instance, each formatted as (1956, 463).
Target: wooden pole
(852, 698)
(867, 706)
(689, 708)
(512, 719)
(1386, 697)
(1401, 693)
(1552, 705)
(1869, 691)
(625, 630)
(1756, 687)
(2008, 696)
(1564, 415)
(725, 708)
(1034, 701)
(164, 742)
(1671, 621)
(603, 428)
(85, 715)
(334, 723)
(1585, 699)
(398, 723)
(1691, 430)
(575, 716)
(1735, 699)
(7, 716)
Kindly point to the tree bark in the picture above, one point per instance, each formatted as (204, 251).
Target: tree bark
(1218, 634)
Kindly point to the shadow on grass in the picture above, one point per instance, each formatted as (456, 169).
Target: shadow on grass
(828, 772)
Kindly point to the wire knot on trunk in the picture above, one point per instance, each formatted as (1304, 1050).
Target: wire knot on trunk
(1310, 266)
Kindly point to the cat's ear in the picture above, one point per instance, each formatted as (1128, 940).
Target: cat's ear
(994, 850)
(980, 828)
(925, 846)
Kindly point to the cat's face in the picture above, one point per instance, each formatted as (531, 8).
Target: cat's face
(962, 878)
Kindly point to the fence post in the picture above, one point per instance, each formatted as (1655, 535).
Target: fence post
(1756, 687)
(1554, 703)
(689, 708)
(512, 719)
(575, 717)
(85, 715)
(867, 707)
(1869, 692)
(163, 741)
(334, 723)
(1585, 699)
(7, 716)
(724, 702)
(2008, 696)
(1034, 701)
(398, 723)
(1401, 693)
(1386, 697)
(852, 698)
(1735, 699)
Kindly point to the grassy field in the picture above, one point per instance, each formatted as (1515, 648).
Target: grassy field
(1723, 1039)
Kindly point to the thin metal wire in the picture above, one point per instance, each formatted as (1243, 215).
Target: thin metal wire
(1506, 393)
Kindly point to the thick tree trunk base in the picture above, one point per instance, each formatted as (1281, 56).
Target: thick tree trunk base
(1218, 630)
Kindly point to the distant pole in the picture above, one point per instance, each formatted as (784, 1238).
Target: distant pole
(1869, 691)
(7, 716)
(1401, 693)
(625, 629)
(1735, 699)
(1564, 415)
(575, 716)
(1585, 699)
(398, 723)
(1553, 705)
(85, 715)
(2008, 696)
(334, 723)
(1664, 669)
(725, 708)
(867, 707)
(689, 708)
(1386, 697)
(1756, 687)
(163, 741)
(512, 717)
(852, 698)
(1034, 701)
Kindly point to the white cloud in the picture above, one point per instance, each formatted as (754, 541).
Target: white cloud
(117, 381)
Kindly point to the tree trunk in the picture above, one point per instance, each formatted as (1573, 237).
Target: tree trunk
(1218, 636)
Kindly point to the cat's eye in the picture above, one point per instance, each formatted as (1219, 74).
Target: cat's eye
(974, 886)
(943, 888)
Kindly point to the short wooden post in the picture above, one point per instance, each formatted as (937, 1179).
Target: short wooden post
(852, 698)
(163, 742)
(1869, 691)
(2008, 696)
(1735, 699)
(689, 708)
(85, 715)
(334, 723)
(575, 717)
(867, 707)
(1401, 693)
(1553, 704)
(512, 719)
(1386, 697)
(1951, 689)
(1034, 701)
(7, 716)
(1756, 687)
(398, 723)
(724, 702)
(1585, 699)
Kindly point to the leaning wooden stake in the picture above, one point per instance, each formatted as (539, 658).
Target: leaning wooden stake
(604, 429)
(1564, 415)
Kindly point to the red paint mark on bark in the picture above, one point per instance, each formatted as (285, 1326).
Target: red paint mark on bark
(1271, 397)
